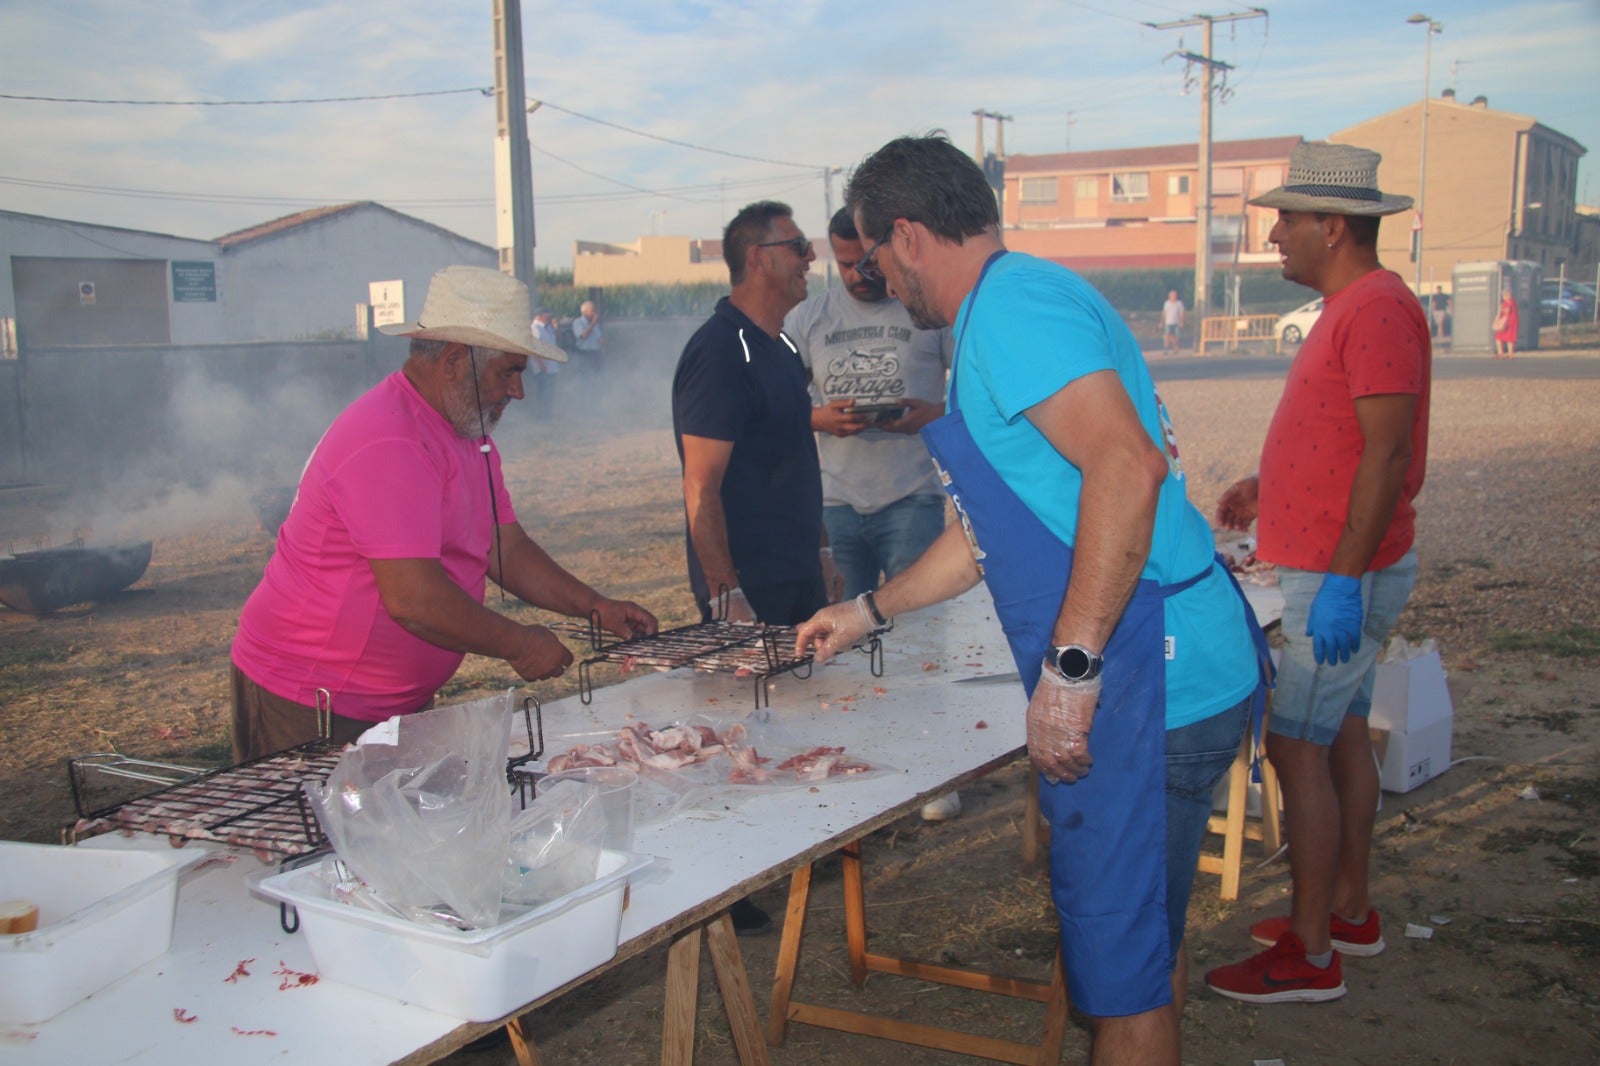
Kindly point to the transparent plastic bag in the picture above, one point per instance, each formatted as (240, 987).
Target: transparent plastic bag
(554, 845)
(418, 809)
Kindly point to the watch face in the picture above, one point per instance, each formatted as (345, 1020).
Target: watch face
(1073, 662)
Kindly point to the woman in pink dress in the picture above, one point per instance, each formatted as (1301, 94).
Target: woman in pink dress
(1505, 327)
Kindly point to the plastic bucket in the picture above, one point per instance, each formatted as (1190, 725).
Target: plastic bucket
(616, 786)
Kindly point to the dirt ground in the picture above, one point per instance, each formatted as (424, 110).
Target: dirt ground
(1500, 856)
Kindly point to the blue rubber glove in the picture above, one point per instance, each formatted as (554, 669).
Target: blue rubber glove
(1335, 623)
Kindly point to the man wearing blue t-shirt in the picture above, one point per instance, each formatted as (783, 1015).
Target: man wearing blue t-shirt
(1135, 647)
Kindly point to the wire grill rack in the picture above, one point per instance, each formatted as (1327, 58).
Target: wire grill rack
(760, 652)
(259, 804)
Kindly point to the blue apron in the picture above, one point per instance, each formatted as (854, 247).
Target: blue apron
(1108, 829)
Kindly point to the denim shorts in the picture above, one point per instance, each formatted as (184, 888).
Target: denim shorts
(1198, 755)
(1312, 699)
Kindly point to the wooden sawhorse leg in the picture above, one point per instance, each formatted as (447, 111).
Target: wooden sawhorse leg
(786, 1009)
(683, 991)
(521, 1046)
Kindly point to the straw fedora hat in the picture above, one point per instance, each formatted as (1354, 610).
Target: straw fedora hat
(477, 306)
(1335, 179)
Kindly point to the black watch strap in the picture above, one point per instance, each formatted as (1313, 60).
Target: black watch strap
(1075, 662)
(872, 609)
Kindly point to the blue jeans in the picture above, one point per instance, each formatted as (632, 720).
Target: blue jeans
(1197, 756)
(1311, 699)
(886, 541)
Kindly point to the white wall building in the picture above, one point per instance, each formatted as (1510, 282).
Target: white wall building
(65, 283)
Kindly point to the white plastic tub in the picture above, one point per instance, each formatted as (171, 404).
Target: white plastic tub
(479, 975)
(102, 914)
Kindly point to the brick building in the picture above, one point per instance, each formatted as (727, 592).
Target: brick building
(1135, 207)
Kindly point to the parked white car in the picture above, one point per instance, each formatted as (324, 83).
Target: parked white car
(1293, 327)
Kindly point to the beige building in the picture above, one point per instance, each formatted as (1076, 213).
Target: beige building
(662, 261)
(647, 261)
(1135, 207)
(1500, 186)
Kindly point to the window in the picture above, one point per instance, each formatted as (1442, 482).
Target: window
(1038, 190)
(1086, 188)
(1177, 185)
(1128, 187)
(1226, 181)
(1265, 178)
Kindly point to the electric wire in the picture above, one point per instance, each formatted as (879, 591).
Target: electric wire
(242, 103)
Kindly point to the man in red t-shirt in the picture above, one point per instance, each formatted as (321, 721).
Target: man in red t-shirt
(1343, 460)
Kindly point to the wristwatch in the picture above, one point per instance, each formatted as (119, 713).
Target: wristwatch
(879, 622)
(1075, 662)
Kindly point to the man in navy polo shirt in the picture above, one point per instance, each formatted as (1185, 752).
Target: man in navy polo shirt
(741, 413)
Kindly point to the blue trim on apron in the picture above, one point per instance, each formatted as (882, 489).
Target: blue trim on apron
(1108, 838)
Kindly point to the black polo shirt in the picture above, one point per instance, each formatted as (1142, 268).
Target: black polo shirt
(736, 383)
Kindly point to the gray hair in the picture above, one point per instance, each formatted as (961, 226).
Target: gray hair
(430, 350)
(926, 180)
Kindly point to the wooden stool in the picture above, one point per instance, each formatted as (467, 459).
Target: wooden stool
(1232, 825)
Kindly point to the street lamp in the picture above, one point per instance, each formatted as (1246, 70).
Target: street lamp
(1422, 166)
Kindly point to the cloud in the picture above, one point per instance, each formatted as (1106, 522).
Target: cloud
(820, 82)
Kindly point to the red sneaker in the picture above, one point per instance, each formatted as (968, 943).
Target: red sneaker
(1279, 974)
(1363, 941)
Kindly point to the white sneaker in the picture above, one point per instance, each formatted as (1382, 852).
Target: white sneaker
(942, 809)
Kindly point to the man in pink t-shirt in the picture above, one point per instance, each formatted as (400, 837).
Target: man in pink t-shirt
(1344, 458)
(375, 592)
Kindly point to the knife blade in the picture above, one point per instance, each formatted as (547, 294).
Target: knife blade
(989, 679)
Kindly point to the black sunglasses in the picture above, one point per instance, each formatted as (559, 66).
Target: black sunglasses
(869, 269)
(798, 245)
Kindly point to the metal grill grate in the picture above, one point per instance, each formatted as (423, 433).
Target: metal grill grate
(760, 651)
(259, 804)
(256, 805)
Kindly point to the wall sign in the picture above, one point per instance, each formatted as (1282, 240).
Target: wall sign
(194, 281)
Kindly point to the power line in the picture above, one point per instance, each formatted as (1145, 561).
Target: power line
(482, 91)
(243, 103)
(603, 177)
(681, 192)
(670, 140)
(1103, 11)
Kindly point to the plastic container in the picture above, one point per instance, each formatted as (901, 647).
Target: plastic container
(617, 787)
(102, 914)
(480, 975)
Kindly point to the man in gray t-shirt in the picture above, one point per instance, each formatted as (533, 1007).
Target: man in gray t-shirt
(875, 382)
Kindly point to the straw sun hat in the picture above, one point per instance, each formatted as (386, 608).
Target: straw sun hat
(477, 306)
(1335, 179)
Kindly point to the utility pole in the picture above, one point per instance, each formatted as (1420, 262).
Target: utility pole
(513, 170)
(827, 217)
(1202, 194)
(1420, 217)
(994, 165)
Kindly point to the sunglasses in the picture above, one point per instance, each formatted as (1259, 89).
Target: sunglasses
(798, 245)
(867, 267)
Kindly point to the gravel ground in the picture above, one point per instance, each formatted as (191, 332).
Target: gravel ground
(1507, 587)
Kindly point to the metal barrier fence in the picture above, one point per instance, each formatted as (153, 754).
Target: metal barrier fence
(1233, 331)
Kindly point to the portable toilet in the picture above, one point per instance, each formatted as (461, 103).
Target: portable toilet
(1477, 288)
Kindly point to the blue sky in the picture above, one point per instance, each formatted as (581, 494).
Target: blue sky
(814, 83)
